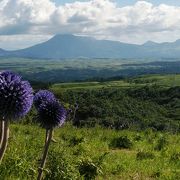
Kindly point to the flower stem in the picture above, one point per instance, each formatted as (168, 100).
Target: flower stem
(1, 132)
(74, 114)
(46, 147)
(47, 134)
(5, 140)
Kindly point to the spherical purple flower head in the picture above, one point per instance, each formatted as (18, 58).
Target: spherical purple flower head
(16, 96)
(51, 114)
(43, 96)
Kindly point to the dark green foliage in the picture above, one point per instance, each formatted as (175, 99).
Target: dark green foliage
(89, 169)
(121, 142)
(68, 70)
(111, 106)
(156, 174)
(141, 155)
(119, 105)
(60, 167)
(138, 137)
(118, 169)
(175, 157)
(132, 108)
(75, 140)
(161, 143)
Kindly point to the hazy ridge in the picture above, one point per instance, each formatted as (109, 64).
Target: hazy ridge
(70, 46)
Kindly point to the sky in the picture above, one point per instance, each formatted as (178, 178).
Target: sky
(24, 23)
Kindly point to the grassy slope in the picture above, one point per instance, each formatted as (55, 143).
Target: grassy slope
(162, 80)
(87, 145)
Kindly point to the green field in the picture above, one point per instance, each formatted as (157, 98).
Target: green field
(160, 80)
(92, 153)
(89, 85)
(165, 80)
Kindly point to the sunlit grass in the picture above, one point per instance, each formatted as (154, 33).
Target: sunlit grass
(88, 144)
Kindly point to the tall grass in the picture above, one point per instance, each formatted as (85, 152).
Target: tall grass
(89, 154)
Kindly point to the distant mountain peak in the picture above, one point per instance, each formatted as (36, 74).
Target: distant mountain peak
(150, 43)
(73, 46)
(2, 50)
(177, 41)
(63, 35)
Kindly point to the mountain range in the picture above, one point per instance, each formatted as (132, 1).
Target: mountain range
(70, 46)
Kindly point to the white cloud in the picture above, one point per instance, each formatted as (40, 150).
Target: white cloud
(14, 42)
(98, 18)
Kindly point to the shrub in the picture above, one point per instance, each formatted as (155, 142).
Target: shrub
(156, 174)
(175, 157)
(118, 169)
(89, 169)
(144, 155)
(138, 137)
(75, 140)
(60, 167)
(149, 135)
(161, 143)
(79, 150)
(121, 142)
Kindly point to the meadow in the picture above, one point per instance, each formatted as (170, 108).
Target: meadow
(92, 153)
(159, 80)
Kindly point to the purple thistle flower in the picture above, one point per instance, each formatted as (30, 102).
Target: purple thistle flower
(43, 96)
(51, 114)
(16, 96)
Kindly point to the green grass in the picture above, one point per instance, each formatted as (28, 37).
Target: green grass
(163, 80)
(160, 80)
(89, 85)
(91, 148)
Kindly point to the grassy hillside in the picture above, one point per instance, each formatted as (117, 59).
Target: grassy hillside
(165, 80)
(136, 103)
(92, 153)
(160, 80)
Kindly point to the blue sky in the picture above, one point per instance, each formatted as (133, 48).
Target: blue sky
(128, 2)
